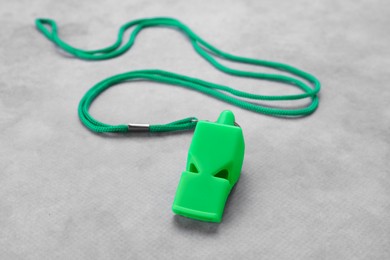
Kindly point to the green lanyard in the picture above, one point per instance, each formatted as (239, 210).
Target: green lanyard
(204, 49)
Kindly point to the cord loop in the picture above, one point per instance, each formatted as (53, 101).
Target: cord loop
(208, 52)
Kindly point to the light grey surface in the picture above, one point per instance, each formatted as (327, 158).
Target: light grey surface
(313, 188)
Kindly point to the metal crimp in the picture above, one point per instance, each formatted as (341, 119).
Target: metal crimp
(138, 127)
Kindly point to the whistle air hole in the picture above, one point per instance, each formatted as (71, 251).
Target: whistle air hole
(223, 174)
(193, 168)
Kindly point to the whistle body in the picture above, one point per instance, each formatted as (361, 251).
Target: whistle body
(213, 167)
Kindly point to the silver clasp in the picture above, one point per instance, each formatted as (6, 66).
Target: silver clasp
(138, 127)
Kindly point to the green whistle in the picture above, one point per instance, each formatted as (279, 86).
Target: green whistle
(213, 167)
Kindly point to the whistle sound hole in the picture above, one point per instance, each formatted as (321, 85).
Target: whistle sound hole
(193, 168)
(222, 174)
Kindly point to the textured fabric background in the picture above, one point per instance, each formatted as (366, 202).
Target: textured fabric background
(312, 188)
